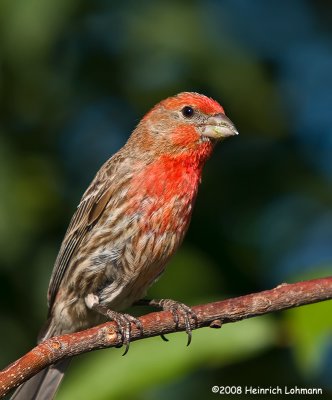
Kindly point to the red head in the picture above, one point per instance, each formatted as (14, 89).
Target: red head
(188, 123)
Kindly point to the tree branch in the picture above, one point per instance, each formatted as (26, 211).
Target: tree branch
(213, 314)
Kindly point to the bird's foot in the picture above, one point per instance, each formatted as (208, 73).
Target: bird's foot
(123, 321)
(178, 310)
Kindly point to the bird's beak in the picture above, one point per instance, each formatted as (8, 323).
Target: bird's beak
(219, 127)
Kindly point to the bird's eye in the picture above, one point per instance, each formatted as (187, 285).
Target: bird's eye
(188, 111)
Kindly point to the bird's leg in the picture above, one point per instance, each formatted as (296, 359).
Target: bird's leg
(177, 309)
(123, 321)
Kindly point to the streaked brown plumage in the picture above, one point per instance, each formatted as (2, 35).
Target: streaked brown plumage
(133, 216)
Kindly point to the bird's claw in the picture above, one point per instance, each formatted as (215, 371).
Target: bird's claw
(180, 310)
(124, 322)
(164, 337)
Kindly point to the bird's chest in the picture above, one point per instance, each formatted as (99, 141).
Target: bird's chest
(163, 196)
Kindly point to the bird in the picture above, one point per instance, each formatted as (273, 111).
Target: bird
(130, 221)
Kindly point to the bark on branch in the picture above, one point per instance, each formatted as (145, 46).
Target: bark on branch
(283, 297)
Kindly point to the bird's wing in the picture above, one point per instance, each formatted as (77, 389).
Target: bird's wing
(88, 212)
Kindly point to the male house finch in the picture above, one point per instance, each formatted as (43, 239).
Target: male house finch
(130, 221)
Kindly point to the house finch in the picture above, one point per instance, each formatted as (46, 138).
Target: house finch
(130, 221)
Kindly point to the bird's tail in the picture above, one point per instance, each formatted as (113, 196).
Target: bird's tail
(44, 385)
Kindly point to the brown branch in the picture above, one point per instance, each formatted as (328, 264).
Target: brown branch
(213, 314)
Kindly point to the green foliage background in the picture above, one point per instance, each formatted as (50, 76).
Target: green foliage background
(75, 78)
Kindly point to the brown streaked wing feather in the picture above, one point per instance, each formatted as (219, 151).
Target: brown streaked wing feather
(98, 207)
(88, 212)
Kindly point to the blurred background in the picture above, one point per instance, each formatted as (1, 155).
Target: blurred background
(76, 76)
